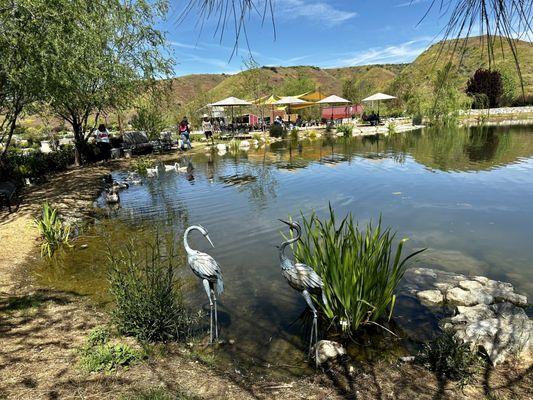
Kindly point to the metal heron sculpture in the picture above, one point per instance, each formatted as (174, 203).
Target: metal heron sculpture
(207, 269)
(304, 279)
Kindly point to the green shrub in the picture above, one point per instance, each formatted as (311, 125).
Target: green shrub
(345, 129)
(100, 355)
(141, 164)
(276, 130)
(358, 268)
(391, 128)
(149, 303)
(294, 134)
(36, 164)
(312, 134)
(53, 231)
(449, 358)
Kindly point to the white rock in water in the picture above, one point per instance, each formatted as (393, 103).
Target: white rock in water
(244, 144)
(470, 285)
(471, 314)
(468, 297)
(221, 147)
(328, 350)
(503, 294)
(431, 296)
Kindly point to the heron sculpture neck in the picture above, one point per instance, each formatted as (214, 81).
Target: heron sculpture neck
(186, 236)
(298, 230)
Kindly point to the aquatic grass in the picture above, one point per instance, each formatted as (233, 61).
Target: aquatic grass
(148, 298)
(359, 269)
(141, 164)
(391, 128)
(345, 129)
(53, 231)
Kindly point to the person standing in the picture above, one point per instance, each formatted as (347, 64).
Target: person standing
(207, 127)
(102, 141)
(185, 133)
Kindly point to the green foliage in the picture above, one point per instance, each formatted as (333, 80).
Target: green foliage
(358, 268)
(276, 130)
(391, 128)
(294, 86)
(148, 298)
(53, 231)
(350, 90)
(294, 134)
(488, 84)
(312, 134)
(449, 358)
(100, 355)
(510, 85)
(141, 164)
(36, 164)
(345, 129)
(149, 119)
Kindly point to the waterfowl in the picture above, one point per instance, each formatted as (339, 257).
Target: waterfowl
(151, 172)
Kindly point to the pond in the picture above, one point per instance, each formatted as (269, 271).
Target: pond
(465, 194)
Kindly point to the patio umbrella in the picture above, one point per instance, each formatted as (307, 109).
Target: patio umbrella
(231, 102)
(332, 100)
(288, 101)
(378, 97)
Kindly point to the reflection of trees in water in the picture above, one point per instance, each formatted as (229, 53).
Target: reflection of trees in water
(466, 149)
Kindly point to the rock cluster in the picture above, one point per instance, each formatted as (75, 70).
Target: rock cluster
(489, 313)
(328, 350)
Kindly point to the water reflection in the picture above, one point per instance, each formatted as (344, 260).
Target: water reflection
(466, 194)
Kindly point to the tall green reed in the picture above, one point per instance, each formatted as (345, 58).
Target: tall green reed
(53, 231)
(361, 269)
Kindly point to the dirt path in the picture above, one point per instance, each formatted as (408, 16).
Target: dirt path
(41, 332)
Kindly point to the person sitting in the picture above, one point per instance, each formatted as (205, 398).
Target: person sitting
(298, 121)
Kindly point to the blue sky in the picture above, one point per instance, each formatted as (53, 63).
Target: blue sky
(310, 32)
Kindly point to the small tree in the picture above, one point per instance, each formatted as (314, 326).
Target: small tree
(256, 84)
(350, 90)
(488, 83)
(102, 52)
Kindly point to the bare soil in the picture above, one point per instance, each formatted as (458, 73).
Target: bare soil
(41, 332)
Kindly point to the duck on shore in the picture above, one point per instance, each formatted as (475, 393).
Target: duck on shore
(111, 196)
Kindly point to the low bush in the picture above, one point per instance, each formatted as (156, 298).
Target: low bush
(141, 164)
(276, 130)
(34, 164)
(359, 269)
(313, 134)
(449, 358)
(345, 129)
(294, 134)
(148, 299)
(53, 231)
(99, 355)
(391, 128)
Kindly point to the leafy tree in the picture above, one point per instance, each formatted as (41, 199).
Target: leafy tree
(488, 83)
(102, 52)
(24, 30)
(510, 85)
(256, 84)
(446, 100)
(350, 90)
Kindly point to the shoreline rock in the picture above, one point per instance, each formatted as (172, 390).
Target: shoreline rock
(488, 313)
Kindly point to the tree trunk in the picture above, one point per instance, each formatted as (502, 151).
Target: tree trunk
(12, 126)
(79, 143)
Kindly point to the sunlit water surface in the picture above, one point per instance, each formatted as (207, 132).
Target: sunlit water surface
(466, 195)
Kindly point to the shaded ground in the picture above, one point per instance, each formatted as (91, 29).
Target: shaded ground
(42, 330)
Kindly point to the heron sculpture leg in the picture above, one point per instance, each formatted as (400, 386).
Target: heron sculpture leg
(216, 313)
(314, 327)
(207, 288)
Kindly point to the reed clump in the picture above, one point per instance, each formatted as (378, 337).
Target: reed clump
(361, 269)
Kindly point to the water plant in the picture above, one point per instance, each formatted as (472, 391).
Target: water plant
(276, 130)
(345, 129)
(234, 145)
(449, 358)
(359, 268)
(53, 231)
(99, 355)
(294, 134)
(391, 128)
(148, 299)
(312, 134)
(141, 164)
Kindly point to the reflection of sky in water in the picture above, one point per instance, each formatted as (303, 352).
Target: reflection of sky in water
(472, 209)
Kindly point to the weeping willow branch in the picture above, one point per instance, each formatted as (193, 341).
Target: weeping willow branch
(496, 21)
(230, 15)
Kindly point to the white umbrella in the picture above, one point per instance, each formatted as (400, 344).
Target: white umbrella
(231, 102)
(288, 100)
(378, 97)
(333, 99)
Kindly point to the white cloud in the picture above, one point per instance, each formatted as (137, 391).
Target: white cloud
(185, 45)
(403, 52)
(323, 12)
(410, 3)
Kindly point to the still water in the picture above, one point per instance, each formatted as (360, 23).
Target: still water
(466, 195)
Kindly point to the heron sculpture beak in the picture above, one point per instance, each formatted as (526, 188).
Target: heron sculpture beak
(208, 238)
(285, 222)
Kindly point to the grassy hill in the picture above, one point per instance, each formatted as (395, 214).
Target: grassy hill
(472, 57)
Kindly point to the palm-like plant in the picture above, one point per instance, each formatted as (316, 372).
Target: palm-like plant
(360, 270)
(53, 231)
